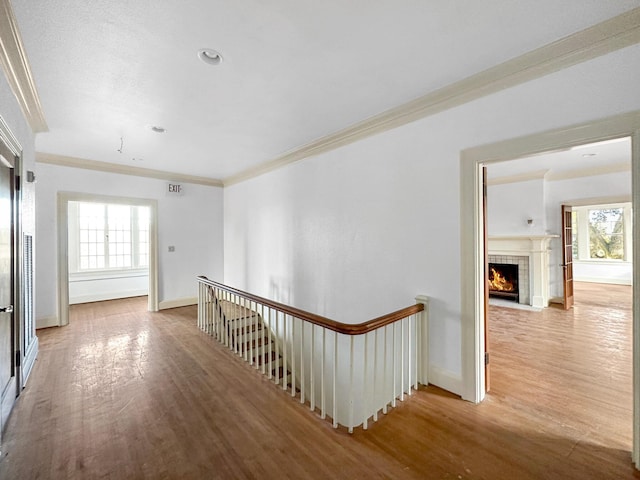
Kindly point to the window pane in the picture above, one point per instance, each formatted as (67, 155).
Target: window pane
(574, 234)
(106, 237)
(606, 234)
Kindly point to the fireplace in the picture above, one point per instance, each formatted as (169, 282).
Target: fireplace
(532, 255)
(503, 281)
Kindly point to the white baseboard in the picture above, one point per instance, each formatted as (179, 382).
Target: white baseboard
(46, 322)
(611, 281)
(106, 296)
(178, 302)
(444, 379)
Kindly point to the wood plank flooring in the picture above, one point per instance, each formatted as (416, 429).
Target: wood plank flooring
(126, 394)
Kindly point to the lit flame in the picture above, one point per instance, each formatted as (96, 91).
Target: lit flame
(499, 282)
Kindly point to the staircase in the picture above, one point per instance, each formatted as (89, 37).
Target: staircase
(251, 339)
(346, 372)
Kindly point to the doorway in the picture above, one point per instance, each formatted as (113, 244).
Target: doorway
(64, 200)
(558, 354)
(108, 251)
(472, 242)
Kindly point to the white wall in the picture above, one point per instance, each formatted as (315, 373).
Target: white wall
(192, 223)
(359, 231)
(569, 191)
(89, 288)
(510, 205)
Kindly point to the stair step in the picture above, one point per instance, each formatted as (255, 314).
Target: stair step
(249, 334)
(240, 321)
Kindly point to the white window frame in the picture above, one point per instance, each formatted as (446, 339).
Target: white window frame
(582, 214)
(78, 273)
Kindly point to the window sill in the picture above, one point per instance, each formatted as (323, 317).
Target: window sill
(107, 274)
(602, 262)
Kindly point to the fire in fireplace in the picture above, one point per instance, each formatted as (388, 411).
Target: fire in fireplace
(503, 281)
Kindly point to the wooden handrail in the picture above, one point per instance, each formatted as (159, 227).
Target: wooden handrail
(339, 327)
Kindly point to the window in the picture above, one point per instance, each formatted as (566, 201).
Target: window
(606, 233)
(108, 236)
(602, 232)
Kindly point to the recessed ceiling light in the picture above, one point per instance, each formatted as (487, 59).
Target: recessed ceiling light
(158, 129)
(210, 56)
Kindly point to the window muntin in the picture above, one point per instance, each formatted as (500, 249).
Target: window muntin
(112, 237)
(602, 233)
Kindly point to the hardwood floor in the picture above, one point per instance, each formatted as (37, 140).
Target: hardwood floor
(126, 394)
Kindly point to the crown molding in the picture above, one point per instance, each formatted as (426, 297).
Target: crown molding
(521, 177)
(596, 201)
(551, 176)
(17, 70)
(589, 172)
(606, 37)
(73, 162)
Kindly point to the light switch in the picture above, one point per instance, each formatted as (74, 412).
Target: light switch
(172, 248)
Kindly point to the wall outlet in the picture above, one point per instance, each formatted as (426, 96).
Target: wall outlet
(172, 248)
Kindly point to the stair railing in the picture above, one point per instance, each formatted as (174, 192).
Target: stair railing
(349, 372)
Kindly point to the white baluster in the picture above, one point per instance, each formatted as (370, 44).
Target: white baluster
(302, 376)
(277, 336)
(231, 322)
(393, 366)
(261, 350)
(384, 363)
(365, 397)
(323, 404)
(284, 352)
(212, 313)
(312, 400)
(269, 349)
(375, 375)
(402, 360)
(409, 358)
(293, 357)
(418, 354)
(335, 366)
(200, 304)
(263, 346)
(255, 334)
(351, 383)
(244, 336)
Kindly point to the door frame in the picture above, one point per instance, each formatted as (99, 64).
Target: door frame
(63, 245)
(8, 396)
(472, 241)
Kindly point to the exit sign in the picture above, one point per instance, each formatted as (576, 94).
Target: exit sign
(175, 189)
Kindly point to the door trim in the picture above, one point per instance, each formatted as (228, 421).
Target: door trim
(472, 243)
(63, 245)
(9, 140)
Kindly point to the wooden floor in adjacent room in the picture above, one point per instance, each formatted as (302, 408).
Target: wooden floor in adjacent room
(125, 394)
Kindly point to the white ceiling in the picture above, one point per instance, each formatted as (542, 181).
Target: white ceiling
(293, 71)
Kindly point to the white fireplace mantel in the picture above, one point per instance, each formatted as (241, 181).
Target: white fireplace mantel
(536, 247)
